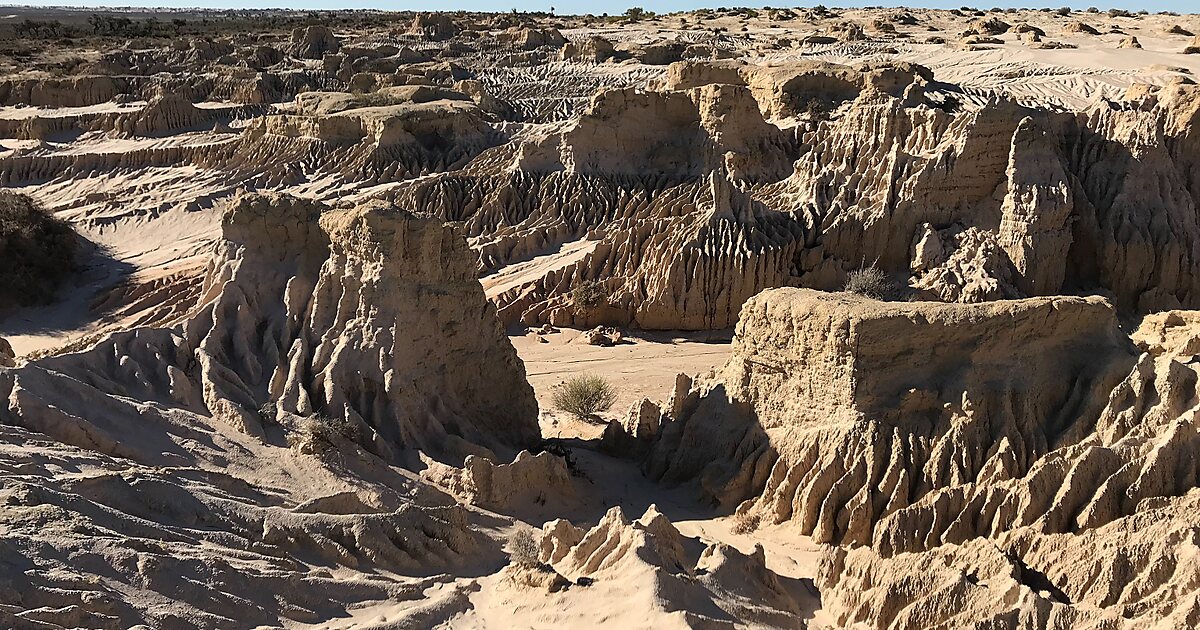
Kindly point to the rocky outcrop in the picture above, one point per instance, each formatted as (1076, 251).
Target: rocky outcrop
(527, 484)
(837, 438)
(320, 348)
(1004, 218)
(593, 48)
(596, 171)
(434, 26)
(649, 565)
(1097, 531)
(955, 451)
(7, 356)
(314, 42)
(261, 433)
(379, 137)
(751, 177)
(61, 92)
(166, 114)
(532, 38)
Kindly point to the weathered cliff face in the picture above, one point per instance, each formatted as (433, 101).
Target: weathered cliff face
(1105, 528)
(312, 314)
(250, 445)
(837, 411)
(1067, 197)
(657, 181)
(731, 179)
(1023, 202)
(983, 438)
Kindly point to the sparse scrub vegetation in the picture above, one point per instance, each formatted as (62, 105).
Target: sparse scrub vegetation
(38, 252)
(869, 282)
(636, 14)
(816, 109)
(319, 433)
(523, 548)
(268, 413)
(589, 295)
(584, 395)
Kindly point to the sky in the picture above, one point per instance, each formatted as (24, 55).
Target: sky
(602, 6)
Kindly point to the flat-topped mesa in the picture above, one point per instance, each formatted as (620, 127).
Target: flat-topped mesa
(836, 411)
(784, 90)
(843, 356)
(371, 316)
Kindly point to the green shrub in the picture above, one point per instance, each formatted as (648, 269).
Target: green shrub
(589, 295)
(37, 249)
(584, 395)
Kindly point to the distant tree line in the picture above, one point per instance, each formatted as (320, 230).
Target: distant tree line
(209, 23)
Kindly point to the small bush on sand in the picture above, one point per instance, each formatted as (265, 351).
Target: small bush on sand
(869, 282)
(584, 395)
(589, 295)
(268, 413)
(37, 249)
(319, 433)
(523, 548)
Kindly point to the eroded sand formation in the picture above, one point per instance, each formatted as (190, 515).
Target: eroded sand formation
(281, 389)
(1017, 443)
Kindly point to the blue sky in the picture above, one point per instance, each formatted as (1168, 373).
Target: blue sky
(601, 6)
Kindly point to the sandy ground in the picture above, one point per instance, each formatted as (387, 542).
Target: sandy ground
(643, 367)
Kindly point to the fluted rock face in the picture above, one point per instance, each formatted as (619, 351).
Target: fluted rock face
(1036, 213)
(1044, 184)
(61, 92)
(955, 452)
(1022, 201)
(837, 411)
(164, 114)
(262, 434)
(658, 179)
(314, 42)
(730, 179)
(435, 26)
(394, 139)
(316, 315)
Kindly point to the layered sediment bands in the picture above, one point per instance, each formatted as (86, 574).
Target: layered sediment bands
(165, 114)
(313, 315)
(364, 145)
(376, 144)
(160, 117)
(239, 86)
(844, 415)
(660, 181)
(956, 453)
(1021, 202)
(43, 165)
(688, 201)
